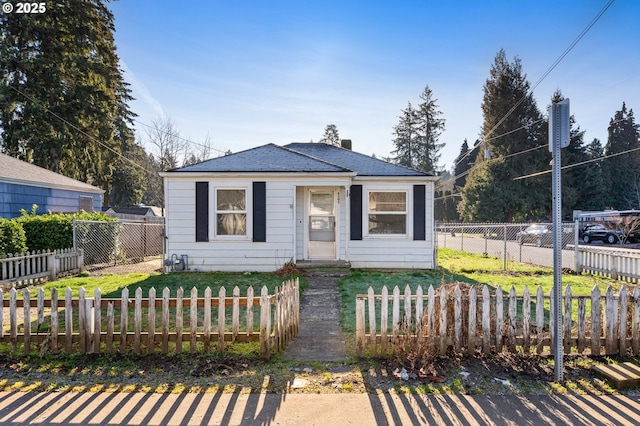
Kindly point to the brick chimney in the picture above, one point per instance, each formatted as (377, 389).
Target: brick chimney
(346, 144)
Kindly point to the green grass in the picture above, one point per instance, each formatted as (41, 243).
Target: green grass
(111, 286)
(473, 269)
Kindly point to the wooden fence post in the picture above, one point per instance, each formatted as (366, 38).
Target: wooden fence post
(567, 322)
(137, 321)
(193, 320)
(265, 329)
(486, 320)
(151, 336)
(96, 331)
(384, 320)
(371, 302)
(124, 320)
(360, 341)
(472, 325)
(164, 347)
(443, 320)
(207, 319)
(596, 327)
(221, 317)
(68, 320)
(622, 323)
(610, 320)
(499, 318)
(526, 320)
(179, 319)
(513, 309)
(235, 314)
(54, 320)
(27, 321)
(457, 317)
(53, 267)
(539, 320)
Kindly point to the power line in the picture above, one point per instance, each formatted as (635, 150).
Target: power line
(530, 91)
(76, 128)
(569, 166)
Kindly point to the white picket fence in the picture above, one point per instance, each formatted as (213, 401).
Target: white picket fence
(477, 322)
(31, 267)
(617, 263)
(89, 325)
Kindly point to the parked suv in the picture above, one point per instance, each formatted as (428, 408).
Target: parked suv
(600, 232)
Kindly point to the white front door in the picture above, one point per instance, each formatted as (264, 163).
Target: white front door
(321, 224)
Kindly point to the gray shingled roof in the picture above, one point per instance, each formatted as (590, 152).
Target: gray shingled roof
(300, 157)
(362, 164)
(267, 158)
(20, 172)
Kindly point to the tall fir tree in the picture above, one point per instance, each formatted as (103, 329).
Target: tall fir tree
(573, 177)
(462, 166)
(514, 136)
(331, 135)
(593, 188)
(63, 100)
(416, 136)
(405, 139)
(622, 172)
(430, 125)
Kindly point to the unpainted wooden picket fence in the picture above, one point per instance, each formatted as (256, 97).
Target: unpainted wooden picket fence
(90, 324)
(482, 321)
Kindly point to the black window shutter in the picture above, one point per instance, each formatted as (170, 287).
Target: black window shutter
(202, 211)
(259, 212)
(355, 204)
(419, 212)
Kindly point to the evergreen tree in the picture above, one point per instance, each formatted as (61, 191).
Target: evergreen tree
(63, 101)
(445, 207)
(462, 166)
(430, 126)
(513, 134)
(593, 189)
(129, 177)
(417, 133)
(622, 171)
(331, 136)
(575, 153)
(406, 139)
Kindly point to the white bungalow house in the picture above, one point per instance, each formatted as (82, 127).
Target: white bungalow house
(258, 209)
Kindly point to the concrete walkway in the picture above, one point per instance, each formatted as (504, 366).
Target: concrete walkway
(320, 337)
(71, 408)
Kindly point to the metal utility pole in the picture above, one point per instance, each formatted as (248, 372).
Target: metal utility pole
(558, 138)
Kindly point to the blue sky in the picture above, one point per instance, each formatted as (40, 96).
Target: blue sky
(247, 73)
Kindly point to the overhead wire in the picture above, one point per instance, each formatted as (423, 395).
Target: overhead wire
(529, 92)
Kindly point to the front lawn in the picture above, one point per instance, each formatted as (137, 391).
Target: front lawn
(458, 266)
(111, 286)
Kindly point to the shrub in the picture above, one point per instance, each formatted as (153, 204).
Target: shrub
(12, 237)
(53, 231)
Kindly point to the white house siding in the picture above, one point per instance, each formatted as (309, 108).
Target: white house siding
(237, 255)
(382, 252)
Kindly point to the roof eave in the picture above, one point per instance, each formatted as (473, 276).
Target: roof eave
(89, 188)
(258, 173)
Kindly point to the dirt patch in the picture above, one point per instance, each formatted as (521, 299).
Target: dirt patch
(497, 374)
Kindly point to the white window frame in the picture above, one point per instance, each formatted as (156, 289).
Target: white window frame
(368, 212)
(216, 212)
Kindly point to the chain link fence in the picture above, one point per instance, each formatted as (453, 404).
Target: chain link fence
(120, 247)
(511, 242)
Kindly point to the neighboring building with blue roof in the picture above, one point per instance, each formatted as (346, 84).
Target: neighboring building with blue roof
(23, 184)
(312, 203)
